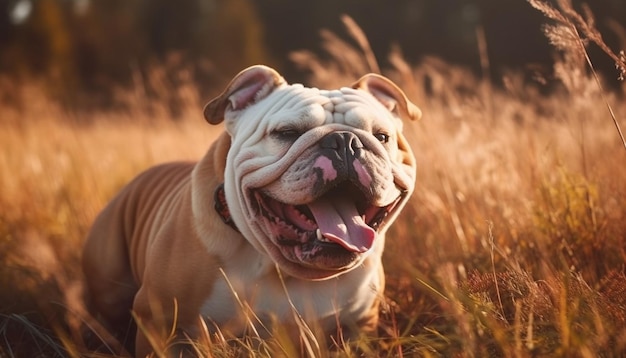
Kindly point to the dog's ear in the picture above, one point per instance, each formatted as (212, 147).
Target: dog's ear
(248, 87)
(390, 95)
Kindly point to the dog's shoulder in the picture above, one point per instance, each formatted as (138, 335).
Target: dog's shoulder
(136, 203)
(156, 181)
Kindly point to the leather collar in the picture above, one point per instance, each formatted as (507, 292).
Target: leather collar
(222, 207)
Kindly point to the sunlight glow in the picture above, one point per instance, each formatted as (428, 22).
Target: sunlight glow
(21, 11)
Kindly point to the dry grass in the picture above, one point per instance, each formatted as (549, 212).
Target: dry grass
(513, 243)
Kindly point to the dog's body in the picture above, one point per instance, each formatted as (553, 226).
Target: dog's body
(311, 181)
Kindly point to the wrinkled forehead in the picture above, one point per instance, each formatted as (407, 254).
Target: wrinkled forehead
(348, 106)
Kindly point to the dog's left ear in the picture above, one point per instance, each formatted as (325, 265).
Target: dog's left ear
(246, 88)
(390, 95)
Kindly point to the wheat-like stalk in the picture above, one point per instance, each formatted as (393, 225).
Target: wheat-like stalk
(567, 36)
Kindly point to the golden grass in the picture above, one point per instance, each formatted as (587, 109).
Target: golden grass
(513, 243)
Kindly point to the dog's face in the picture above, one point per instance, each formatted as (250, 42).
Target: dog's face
(313, 177)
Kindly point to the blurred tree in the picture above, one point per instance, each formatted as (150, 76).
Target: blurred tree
(237, 36)
(109, 40)
(172, 25)
(86, 47)
(44, 45)
(29, 44)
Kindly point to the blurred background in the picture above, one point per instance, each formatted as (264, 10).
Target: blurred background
(82, 51)
(514, 237)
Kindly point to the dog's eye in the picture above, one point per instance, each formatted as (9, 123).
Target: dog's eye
(288, 134)
(382, 137)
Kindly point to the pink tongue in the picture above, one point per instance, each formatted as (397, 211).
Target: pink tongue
(340, 222)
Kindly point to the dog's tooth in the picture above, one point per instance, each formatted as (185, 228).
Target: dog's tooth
(320, 237)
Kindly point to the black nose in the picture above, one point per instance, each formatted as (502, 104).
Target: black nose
(346, 144)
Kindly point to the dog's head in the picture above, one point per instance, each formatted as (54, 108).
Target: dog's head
(313, 177)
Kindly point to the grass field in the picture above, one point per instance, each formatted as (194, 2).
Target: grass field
(514, 243)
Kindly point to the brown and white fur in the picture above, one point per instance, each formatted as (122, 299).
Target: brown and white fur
(308, 179)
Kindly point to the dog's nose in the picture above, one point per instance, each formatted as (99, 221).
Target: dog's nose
(346, 144)
(340, 160)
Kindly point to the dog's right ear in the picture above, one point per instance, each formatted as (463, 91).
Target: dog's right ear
(248, 87)
(389, 95)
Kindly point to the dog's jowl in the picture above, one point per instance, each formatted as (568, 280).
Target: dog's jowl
(287, 211)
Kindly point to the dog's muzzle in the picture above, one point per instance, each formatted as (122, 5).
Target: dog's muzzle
(341, 223)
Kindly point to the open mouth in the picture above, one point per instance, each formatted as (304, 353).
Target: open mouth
(330, 231)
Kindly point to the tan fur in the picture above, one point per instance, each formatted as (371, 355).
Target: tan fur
(149, 225)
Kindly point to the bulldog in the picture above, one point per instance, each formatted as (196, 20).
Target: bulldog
(283, 218)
